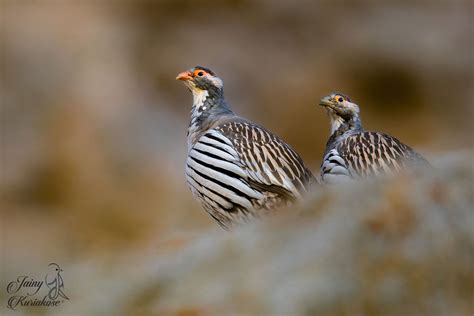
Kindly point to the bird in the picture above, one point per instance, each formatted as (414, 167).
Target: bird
(235, 168)
(55, 282)
(354, 153)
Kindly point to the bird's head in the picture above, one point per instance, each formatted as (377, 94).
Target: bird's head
(341, 110)
(340, 105)
(200, 79)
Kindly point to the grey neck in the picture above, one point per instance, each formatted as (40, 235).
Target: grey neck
(208, 107)
(342, 127)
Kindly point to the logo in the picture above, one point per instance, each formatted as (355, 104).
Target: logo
(28, 291)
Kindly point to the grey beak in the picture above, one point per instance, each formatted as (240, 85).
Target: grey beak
(326, 101)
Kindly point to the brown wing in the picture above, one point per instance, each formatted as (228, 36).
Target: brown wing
(271, 164)
(372, 153)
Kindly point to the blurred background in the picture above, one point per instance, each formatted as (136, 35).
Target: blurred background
(93, 123)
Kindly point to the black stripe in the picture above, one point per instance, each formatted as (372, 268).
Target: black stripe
(218, 169)
(285, 152)
(231, 210)
(205, 195)
(371, 159)
(214, 146)
(377, 163)
(299, 185)
(197, 191)
(357, 165)
(271, 152)
(202, 193)
(398, 150)
(226, 186)
(219, 221)
(336, 162)
(210, 155)
(216, 139)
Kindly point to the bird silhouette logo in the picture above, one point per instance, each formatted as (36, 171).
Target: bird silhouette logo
(55, 282)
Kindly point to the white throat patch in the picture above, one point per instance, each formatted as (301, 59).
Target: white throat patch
(336, 121)
(199, 96)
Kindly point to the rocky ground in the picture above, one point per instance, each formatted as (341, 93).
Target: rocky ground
(398, 246)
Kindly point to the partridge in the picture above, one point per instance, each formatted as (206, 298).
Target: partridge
(236, 169)
(354, 153)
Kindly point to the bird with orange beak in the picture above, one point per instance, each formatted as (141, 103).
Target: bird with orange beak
(236, 169)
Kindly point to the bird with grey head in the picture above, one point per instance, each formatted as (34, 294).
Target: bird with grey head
(352, 152)
(235, 168)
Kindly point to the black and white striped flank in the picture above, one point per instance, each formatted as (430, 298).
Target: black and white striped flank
(238, 168)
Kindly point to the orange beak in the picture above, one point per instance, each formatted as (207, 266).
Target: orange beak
(185, 75)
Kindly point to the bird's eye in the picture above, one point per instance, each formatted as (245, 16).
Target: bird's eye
(340, 99)
(200, 74)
